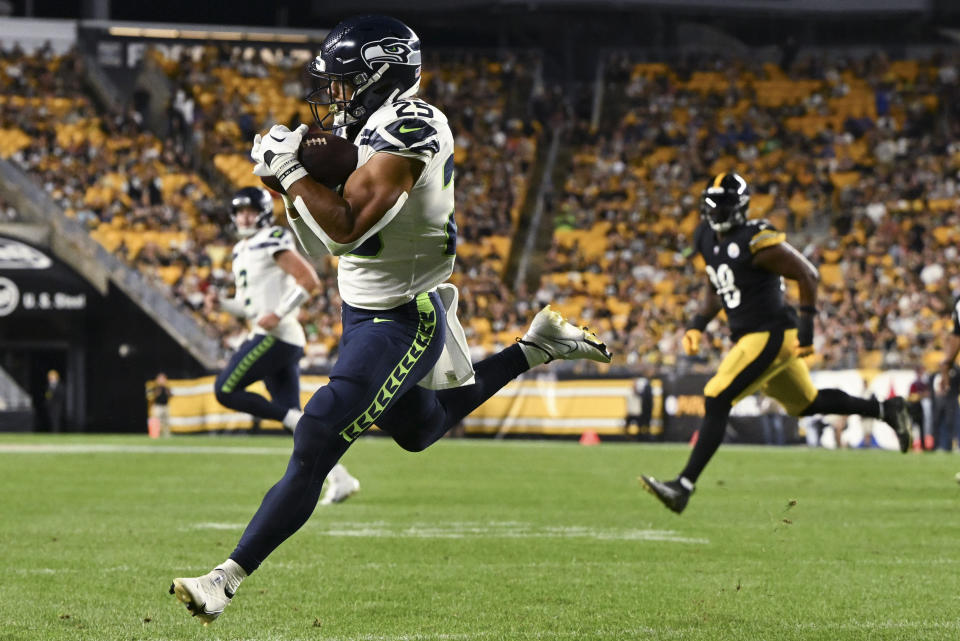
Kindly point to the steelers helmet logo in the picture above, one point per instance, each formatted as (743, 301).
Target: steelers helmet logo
(733, 250)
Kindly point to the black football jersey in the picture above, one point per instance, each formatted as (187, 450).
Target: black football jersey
(751, 296)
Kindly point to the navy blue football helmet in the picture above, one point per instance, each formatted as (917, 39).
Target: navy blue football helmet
(376, 56)
(725, 202)
(256, 198)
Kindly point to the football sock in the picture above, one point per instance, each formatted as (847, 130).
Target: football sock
(492, 373)
(233, 574)
(338, 474)
(535, 355)
(291, 419)
(712, 429)
(834, 401)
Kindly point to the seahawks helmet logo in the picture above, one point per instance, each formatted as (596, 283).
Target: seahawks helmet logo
(395, 50)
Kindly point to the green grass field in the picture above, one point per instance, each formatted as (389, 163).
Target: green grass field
(481, 540)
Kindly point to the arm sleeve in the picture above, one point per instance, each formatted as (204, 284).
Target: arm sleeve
(233, 307)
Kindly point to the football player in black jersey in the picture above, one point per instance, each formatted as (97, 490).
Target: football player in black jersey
(953, 347)
(746, 262)
(946, 389)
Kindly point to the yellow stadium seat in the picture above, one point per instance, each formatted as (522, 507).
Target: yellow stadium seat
(831, 274)
(843, 179)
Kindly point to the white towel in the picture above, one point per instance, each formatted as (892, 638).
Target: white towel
(453, 368)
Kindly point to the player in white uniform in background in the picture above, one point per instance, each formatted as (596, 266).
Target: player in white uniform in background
(403, 360)
(272, 280)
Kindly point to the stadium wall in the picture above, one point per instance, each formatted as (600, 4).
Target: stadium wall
(102, 344)
(544, 406)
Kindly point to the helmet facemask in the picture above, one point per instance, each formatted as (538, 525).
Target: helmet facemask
(343, 111)
(725, 208)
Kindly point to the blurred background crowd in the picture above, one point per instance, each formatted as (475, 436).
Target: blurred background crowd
(854, 157)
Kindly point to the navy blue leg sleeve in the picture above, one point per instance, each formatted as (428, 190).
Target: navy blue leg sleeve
(284, 384)
(289, 503)
(421, 416)
(258, 358)
(382, 355)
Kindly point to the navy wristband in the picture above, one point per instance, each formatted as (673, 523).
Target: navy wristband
(699, 322)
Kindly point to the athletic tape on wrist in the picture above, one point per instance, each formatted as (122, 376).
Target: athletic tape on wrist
(288, 171)
(297, 296)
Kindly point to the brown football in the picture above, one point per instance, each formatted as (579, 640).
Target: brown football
(329, 159)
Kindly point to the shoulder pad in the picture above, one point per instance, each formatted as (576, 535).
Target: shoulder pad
(407, 125)
(758, 224)
(762, 235)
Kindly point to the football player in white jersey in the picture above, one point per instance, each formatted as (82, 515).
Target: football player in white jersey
(272, 281)
(403, 361)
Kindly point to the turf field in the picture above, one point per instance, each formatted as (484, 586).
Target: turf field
(481, 540)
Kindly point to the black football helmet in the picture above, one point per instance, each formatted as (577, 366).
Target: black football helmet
(725, 202)
(257, 198)
(377, 56)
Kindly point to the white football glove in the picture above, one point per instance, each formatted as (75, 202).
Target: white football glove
(277, 153)
(260, 169)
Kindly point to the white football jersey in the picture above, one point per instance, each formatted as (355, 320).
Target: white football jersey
(261, 283)
(415, 251)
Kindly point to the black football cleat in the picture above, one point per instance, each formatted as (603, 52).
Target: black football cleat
(671, 493)
(895, 415)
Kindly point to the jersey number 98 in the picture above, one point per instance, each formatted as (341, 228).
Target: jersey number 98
(722, 280)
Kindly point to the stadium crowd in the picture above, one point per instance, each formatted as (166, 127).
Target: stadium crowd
(852, 157)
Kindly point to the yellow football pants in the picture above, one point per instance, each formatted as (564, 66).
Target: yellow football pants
(764, 361)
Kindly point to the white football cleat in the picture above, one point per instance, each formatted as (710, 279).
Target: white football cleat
(340, 487)
(558, 338)
(205, 596)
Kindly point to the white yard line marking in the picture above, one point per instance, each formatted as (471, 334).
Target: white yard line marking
(37, 448)
(506, 530)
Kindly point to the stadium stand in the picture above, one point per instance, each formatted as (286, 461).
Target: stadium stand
(817, 141)
(144, 197)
